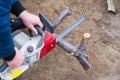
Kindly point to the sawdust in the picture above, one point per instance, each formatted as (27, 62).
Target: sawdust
(103, 48)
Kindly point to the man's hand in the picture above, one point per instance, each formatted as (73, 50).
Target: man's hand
(17, 60)
(30, 21)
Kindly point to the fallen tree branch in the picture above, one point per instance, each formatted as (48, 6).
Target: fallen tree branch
(62, 15)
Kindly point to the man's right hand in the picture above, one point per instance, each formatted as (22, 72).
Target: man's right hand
(17, 60)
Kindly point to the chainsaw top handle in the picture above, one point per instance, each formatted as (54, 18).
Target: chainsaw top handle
(40, 31)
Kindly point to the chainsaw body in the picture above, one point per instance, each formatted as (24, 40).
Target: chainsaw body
(33, 48)
(37, 46)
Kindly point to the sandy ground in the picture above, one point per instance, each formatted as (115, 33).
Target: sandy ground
(103, 48)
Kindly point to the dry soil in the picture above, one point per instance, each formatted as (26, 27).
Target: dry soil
(103, 48)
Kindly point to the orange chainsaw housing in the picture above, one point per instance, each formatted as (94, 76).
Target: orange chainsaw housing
(49, 44)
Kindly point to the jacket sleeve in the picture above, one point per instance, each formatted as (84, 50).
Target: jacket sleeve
(13, 1)
(8, 46)
(7, 51)
(17, 8)
(6, 42)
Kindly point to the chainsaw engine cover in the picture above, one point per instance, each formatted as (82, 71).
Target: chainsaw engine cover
(26, 44)
(29, 46)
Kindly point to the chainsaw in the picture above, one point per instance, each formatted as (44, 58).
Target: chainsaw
(34, 47)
